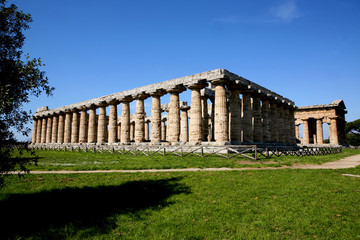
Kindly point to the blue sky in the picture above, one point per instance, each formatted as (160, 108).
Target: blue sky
(305, 50)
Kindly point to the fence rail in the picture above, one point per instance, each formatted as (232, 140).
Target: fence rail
(253, 152)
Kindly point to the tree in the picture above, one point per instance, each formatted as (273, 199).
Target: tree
(20, 78)
(352, 130)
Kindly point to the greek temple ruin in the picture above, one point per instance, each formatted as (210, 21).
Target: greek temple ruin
(313, 117)
(224, 109)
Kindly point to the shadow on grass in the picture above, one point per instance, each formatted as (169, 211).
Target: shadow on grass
(45, 214)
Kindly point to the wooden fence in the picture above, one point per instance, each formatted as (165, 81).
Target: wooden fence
(253, 152)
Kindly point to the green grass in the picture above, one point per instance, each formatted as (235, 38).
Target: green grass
(265, 204)
(58, 160)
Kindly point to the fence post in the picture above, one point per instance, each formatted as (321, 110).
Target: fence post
(256, 158)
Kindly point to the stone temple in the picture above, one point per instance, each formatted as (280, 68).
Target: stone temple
(224, 109)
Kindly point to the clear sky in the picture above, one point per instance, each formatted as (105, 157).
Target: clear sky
(305, 50)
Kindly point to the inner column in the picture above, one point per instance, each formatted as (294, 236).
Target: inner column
(184, 133)
(235, 115)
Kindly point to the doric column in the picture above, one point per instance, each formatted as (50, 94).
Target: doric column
(280, 122)
(235, 115)
(156, 116)
(75, 126)
(54, 131)
(265, 112)
(119, 130)
(257, 124)
(113, 122)
(48, 129)
(195, 134)
(132, 129)
(38, 130)
(297, 131)
(247, 118)
(67, 131)
(43, 130)
(34, 131)
(184, 132)
(221, 118)
(147, 137)
(140, 117)
(92, 128)
(163, 128)
(205, 115)
(292, 124)
(125, 120)
(273, 123)
(173, 123)
(83, 131)
(287, 133)
(319, 131)
(102, 123)
(306, 137)
(61, 128)
(212, 125)
(334, 138)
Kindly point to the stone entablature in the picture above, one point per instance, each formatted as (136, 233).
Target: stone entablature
(313, 117)
(259, 116)
(170, 84)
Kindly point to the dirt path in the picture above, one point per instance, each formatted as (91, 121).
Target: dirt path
(348, 162)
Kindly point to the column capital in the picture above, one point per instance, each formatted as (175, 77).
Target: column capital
(83, 108)
(176, 89)
(91, 106)
(74, 110)
(165, 107)
(102, 104)
(158, 92)
(220, 81)
(184, 108)
(164, 118)
(141, 96)
(112, 101)
(197, 84)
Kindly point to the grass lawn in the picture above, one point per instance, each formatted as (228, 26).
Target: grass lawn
(59, 160)
(263, 204)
